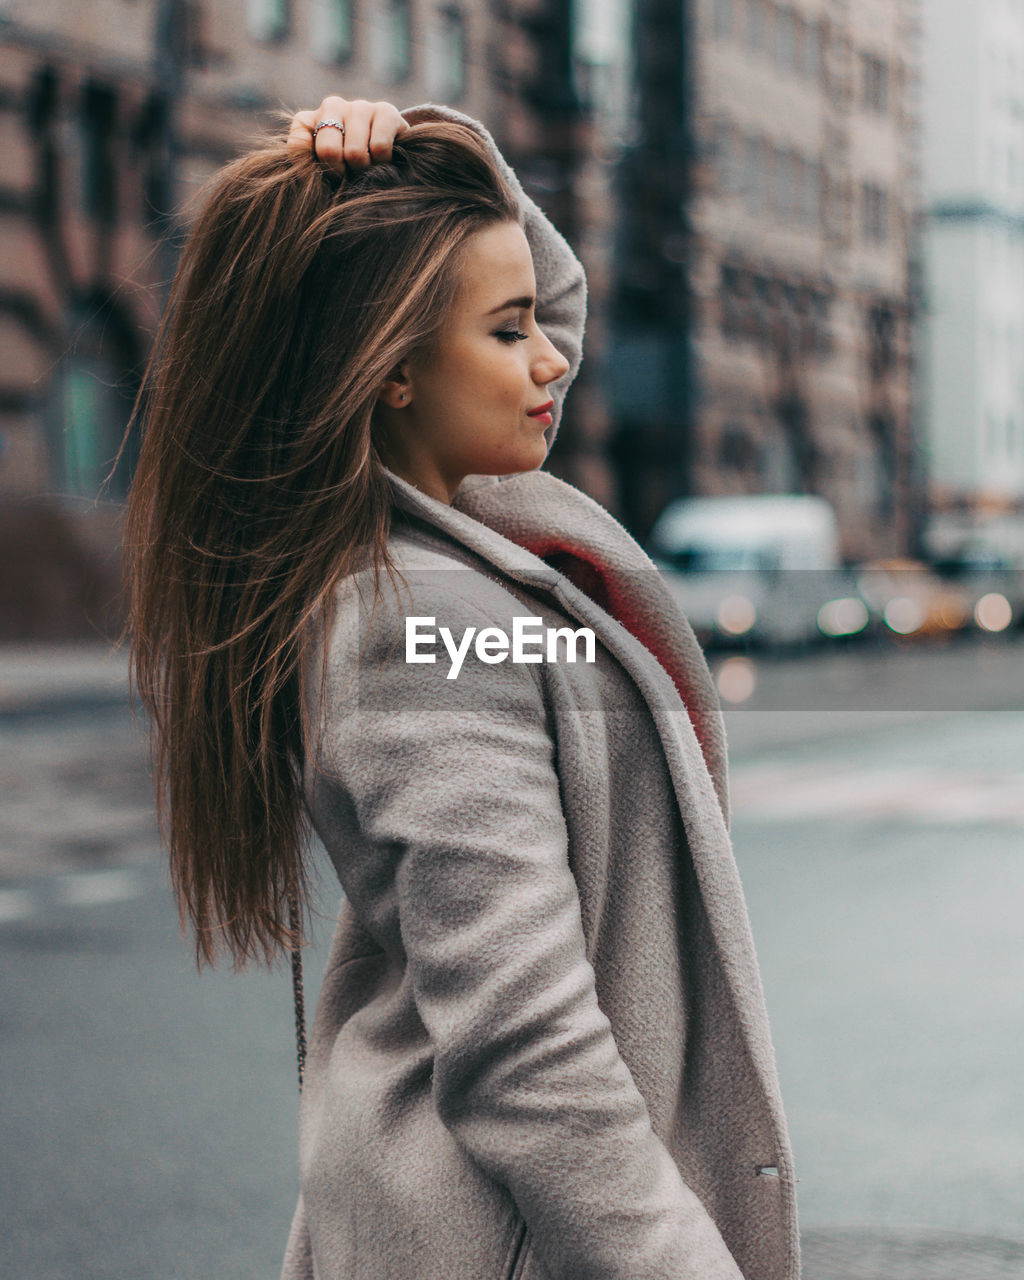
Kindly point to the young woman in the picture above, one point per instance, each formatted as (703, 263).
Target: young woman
(541, 1048)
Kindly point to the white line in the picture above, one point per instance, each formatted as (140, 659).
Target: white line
(15, 904)
(96, 887)
(927, 798)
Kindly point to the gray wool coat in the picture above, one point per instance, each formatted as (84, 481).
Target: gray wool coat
(541, 1050)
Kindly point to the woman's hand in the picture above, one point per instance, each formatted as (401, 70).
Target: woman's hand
(370, 129)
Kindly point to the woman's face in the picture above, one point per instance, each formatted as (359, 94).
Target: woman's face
(470, 406)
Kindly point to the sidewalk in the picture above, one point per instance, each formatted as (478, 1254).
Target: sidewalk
(869, 1253)
(61, 677)
(74, 769)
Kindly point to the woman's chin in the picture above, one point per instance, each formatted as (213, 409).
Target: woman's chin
(525, 460)
(529, 464)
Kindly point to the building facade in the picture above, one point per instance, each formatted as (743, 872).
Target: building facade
(113, 115)
(739, 177)
(804, 243)
(116, 113)
(550, 67)
(974, 270)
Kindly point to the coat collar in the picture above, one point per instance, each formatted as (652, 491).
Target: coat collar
(547, 534)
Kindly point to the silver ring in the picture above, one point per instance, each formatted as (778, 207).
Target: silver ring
(328, 124)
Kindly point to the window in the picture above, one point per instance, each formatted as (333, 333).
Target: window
(738, 451)
(795, 193)
(812, 194)
(391, 40)
(800, 30)
(991, 434)
(781, 184)
(330, 29)
(84, 414)
(836, 202)
(733, 298)
(765, 302)
(876, 214)
(401, 39)
(788, 181)
(446, 56)
(769, 193)
(267, 19)
(97, 121)
(724, 18)
(882, 338)
(757, 25)
(875, 74)
(811, 52)
(792, 307)
(755, 171)
(786, 40)
(726, 158)
(91, 400)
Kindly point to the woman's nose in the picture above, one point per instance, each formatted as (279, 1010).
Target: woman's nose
(552, 364)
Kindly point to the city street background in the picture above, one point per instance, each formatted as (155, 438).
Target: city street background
(149, 1119)
(802, 224)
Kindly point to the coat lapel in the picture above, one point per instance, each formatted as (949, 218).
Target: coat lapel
(567, 529)
(548, 535)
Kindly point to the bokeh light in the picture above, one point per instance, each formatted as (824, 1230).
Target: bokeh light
(954, 613)
(903, 615)
(844, 617)
(737, 679)
(735, 615)
(993, 612)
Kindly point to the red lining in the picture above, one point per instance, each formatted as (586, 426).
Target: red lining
(589, 575)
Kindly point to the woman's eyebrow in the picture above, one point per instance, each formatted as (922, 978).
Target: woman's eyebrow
(523, 304)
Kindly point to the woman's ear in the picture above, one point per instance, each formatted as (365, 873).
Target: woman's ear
(396, 391)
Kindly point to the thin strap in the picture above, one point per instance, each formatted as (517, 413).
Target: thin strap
(297, 988)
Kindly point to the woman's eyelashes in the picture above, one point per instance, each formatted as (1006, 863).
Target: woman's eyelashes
(511, 335)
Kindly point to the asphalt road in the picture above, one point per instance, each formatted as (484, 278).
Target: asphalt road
(885, 881)
(149, 1113)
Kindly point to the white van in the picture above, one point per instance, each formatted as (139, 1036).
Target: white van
(750, 567)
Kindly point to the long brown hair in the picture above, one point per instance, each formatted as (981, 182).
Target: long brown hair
(260, 485)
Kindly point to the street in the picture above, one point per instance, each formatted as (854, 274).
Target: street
(884, 876)
(149, 1117)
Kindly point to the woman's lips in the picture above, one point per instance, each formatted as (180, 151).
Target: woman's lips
(542, 414)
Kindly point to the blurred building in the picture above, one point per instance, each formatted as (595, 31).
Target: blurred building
(602, 66)
(738, 176)
(549, 65)
(974, 188)
(113, 114)
(804, 222)
(650, 374)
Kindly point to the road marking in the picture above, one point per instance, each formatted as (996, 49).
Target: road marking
(777, 792)
(93, 888)
(15, 904)
(77, 889)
